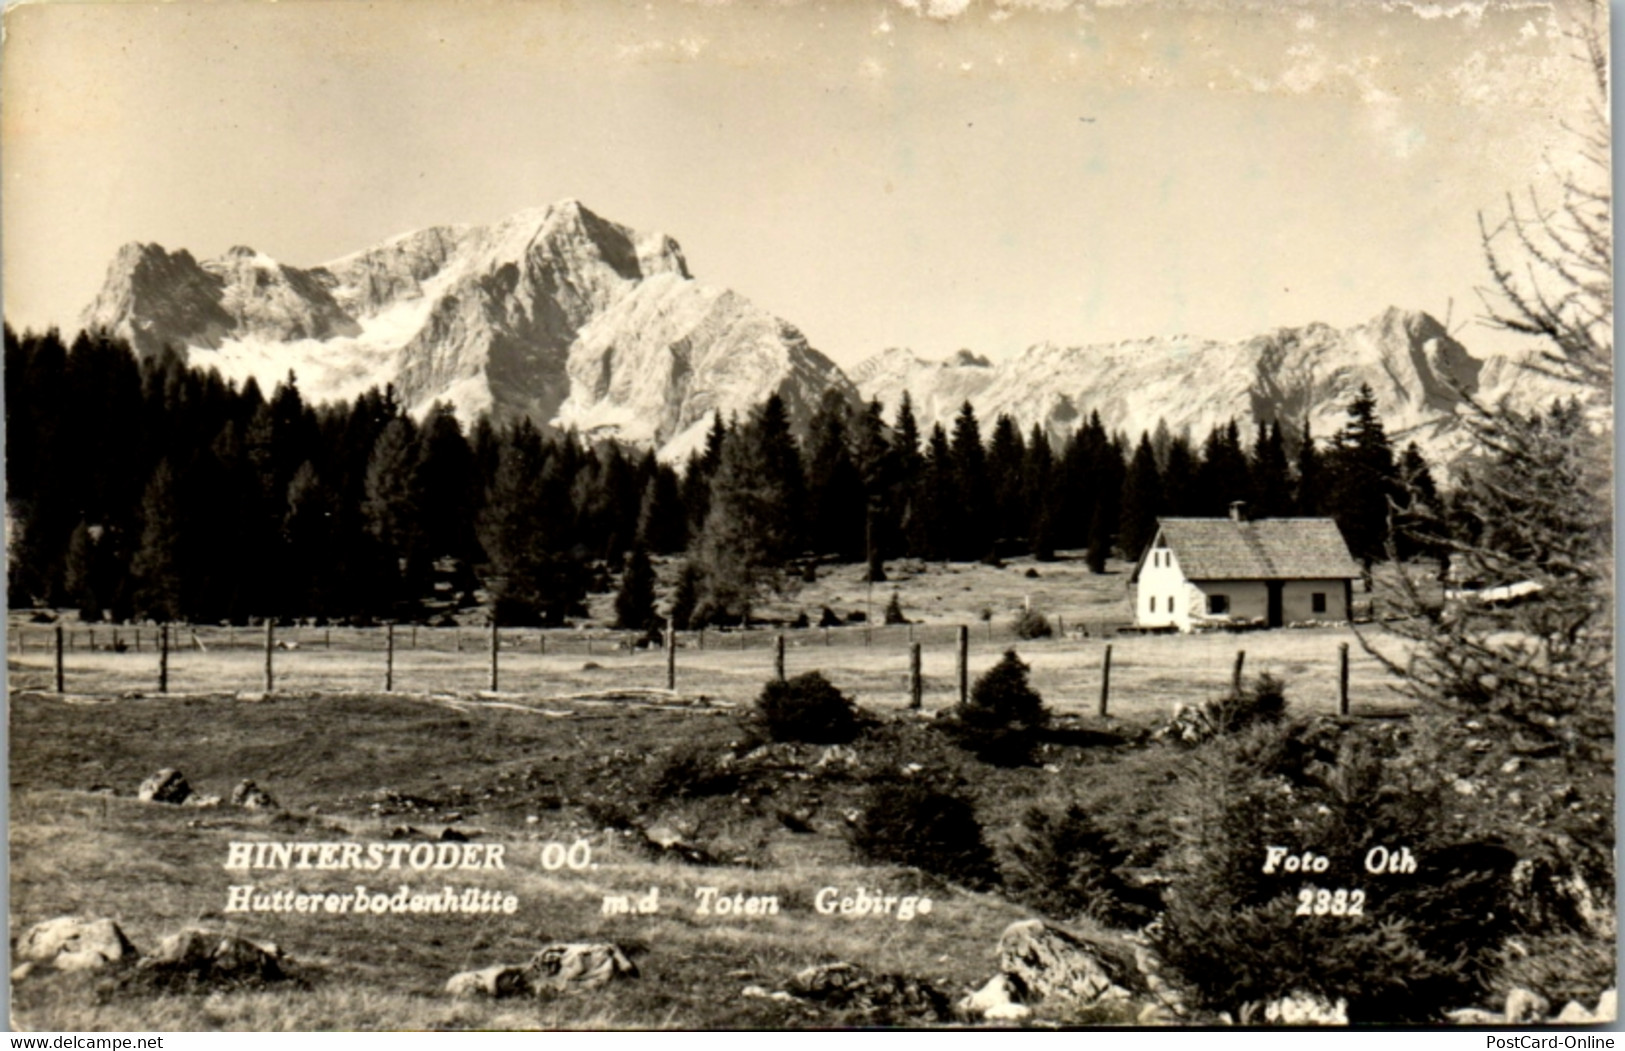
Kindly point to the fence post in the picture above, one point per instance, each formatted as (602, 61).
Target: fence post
(270, 643)
(964, 664)
(414, 636)
(1060, 626)
(59, 658)
(541, 642)
(778, 657)
(389, 658)
(115, 640)
(826, 634)
(916, 688)
(459, 633)
(1342, 678)
(1235, 676)
(327, 638)
(702, 638)
(1105, 679)
(163, 658)
(496, 643)
(92, 640)
(671, 654)
(865, 634)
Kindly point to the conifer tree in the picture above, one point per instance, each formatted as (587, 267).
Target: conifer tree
(1271, 480)
(1142, 501)
(635, 600)
(1310, 498)
(1037, 472)
(836, 499)
(1363, 479)
(158, 563)
(973, 534)
(1006, 456)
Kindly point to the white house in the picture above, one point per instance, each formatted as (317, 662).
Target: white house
(1200, 572)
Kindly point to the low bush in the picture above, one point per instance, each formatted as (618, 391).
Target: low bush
(690, 772)
(931, 829)
(1066, 866)
(1004, 717)
(894, 610)
(1031, 624)
(1263, 700)
(807, 708)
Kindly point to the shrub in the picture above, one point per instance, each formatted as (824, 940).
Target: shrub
(1066, 866)
(1004, 717)
(1031, 624)
(807, 708)
(894, 610)
(690, 772)
(827, 618)
(912, 823)
(1424, 941)
(1261, 701)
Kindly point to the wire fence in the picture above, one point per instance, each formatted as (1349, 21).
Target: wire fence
(1088, 668)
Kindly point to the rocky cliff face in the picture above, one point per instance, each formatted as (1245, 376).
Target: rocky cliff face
(560, 316)
(1416, 369)
(555, 314)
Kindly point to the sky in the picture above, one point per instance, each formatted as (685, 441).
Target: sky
(935, 174)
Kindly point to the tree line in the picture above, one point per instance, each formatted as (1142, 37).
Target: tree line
(148, 489)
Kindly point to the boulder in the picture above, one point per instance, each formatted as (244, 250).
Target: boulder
(215, 958)
(166, 786)
(1050, 963)
(1475, 1016)
(496, 982)
(250, 796)
(1525, 1006)
(72, 943)
(997, 1001)
(577, 965)
(847, 985)
(1302, 1008)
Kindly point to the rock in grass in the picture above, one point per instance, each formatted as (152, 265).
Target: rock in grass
(72, 943)
(214, 958)
(496, 982)
(1050, 963)
(845, 985)
(250, 796)
(166, 786)
(1302, 1008)
(997, 1001)
(577, 965)
(1525, 1006)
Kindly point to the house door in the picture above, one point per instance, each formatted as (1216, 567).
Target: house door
(1274, 588)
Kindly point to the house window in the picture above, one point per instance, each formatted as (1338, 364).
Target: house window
(1153, 603)
(1317, 601)
(1218, 603)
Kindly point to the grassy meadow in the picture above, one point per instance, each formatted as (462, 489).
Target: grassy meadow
(556, 756)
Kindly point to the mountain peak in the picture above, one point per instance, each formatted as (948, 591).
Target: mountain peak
(554, 314)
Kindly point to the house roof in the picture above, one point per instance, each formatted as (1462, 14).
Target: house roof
(1268, 549)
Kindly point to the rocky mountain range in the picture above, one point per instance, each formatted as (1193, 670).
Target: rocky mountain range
(571, 320)
(555, 314)
(1416, 369)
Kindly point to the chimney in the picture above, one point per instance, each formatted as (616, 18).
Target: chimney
(1238, 510)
